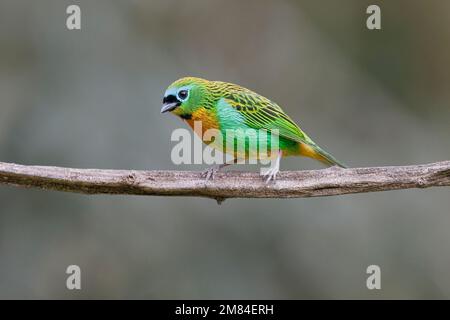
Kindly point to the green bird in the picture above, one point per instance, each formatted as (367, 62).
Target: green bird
(225, 106)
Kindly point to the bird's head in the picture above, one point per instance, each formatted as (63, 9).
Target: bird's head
(184, 96)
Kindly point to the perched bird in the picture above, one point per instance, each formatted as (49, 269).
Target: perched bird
(225, 106)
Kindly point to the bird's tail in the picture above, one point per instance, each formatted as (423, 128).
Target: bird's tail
(323, 156)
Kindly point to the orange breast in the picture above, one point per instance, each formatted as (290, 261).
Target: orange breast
(207, 118)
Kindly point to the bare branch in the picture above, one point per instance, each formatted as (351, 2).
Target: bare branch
(230, 184)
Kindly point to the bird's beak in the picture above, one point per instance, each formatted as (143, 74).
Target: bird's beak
(170, 102)
(169, 107)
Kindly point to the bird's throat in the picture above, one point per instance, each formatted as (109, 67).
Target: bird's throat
(186, 116)
(206, 119)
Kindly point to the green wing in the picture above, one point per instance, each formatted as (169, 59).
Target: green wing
(261, 113)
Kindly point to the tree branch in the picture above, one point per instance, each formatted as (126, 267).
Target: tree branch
(231, 184)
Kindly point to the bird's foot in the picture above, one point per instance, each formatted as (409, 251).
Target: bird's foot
(209, 173)
(270, 175)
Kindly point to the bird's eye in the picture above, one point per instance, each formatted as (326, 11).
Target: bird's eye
(183, 94)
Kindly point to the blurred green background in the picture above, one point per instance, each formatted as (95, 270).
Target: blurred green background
(91, 99)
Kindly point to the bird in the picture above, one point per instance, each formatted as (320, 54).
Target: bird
(226, 106)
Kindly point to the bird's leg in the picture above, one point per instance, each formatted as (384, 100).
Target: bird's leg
(271, 173)
(209, 173)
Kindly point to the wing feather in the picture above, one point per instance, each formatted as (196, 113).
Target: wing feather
(261, 113)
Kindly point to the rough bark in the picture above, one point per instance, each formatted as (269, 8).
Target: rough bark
(230, 184)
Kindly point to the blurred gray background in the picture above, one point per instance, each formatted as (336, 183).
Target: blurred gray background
(91, 99)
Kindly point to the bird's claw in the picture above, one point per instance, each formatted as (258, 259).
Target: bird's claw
(209, 173)
(270, 175)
